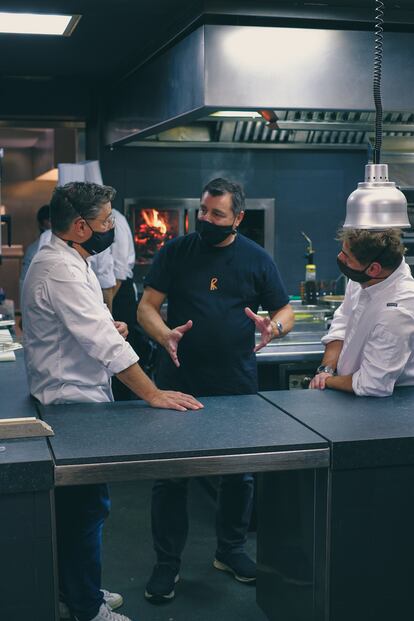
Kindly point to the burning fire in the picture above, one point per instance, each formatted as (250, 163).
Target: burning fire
(152, 219)
(151, 233)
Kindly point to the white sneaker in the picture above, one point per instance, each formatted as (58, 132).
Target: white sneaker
(113, 600)
(106, 614)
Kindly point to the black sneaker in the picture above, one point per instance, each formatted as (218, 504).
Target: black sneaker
(160, 587)
(237, 563)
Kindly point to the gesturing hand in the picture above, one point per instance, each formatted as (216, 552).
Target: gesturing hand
(122, 328)
(263, 325)
(173, 338)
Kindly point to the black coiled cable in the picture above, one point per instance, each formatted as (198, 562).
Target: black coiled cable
(379, 20)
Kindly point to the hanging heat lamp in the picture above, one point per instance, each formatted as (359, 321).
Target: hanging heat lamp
(377, 203)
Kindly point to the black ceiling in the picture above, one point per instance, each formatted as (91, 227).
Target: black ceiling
(114, 36)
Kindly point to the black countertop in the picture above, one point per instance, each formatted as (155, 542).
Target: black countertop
(131, 430)
(25, 464)
(362, 431)
(15, 400)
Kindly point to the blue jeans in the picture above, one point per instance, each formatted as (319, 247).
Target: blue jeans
(80, 515)
(170, 516)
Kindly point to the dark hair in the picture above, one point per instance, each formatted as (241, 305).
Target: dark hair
(79, 198)
(43, 214)
(220, 186)
(367, 245)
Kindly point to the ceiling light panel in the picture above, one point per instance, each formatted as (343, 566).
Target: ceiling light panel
(37, 23)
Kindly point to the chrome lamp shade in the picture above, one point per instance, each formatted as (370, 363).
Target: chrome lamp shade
(377, 203)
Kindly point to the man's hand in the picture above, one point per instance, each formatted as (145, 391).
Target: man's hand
(171, 400)
(122, 328)
(173, 338)
(319, 381)
(263, 325)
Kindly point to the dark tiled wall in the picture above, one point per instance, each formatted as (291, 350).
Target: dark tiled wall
(310, 189)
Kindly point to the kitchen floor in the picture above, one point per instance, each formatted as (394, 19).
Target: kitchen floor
(203, 593)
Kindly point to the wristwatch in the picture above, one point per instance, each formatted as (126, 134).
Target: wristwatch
(277, 325)
(325, 369)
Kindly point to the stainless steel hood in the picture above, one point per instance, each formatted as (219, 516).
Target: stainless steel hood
(219, 67)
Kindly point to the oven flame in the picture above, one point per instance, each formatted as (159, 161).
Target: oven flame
(152, 219)
(152, 230)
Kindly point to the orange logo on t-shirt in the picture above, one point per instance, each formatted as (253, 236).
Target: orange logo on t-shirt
(213, 284)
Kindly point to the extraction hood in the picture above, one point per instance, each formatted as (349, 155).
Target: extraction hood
(313, 75)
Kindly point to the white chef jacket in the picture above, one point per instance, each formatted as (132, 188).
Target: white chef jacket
(71, 345)
(123, 249)
(101, 263)
(376, 325)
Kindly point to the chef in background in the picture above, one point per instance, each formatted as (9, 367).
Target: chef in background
(369, 348)
(72, 348)
(43, 222)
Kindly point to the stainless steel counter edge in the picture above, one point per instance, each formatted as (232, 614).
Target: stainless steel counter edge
(84, 474)
(288, 354)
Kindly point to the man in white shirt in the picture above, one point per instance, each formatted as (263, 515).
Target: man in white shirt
(370, 345)
(101, 263)
(72, 348)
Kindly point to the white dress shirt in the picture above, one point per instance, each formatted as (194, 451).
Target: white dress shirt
(72, 347)
(376, 325)
(123, 249)
(102, 263)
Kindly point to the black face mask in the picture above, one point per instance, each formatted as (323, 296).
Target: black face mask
(359, 275)
(214, 234)
(355, 275)
(98, 242)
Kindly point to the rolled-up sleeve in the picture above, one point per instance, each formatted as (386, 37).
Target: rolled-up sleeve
(384, 358)
(86, 317)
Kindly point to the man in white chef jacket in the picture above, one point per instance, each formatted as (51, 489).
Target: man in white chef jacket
(370, 345)
(72, 348)
(102, 264)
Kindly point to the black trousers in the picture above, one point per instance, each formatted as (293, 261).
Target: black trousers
(169, 519)
(124, 308)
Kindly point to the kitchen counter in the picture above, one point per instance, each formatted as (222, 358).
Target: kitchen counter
(127, 440)
(362, 431)
(294, 347)
(340, 547)
(335, 479)
(26, 509)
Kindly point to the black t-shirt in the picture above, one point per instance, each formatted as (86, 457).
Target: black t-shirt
(212, 286)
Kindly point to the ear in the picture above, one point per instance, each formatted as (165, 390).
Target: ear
(239, 218)
(374, 269)
(80, 228)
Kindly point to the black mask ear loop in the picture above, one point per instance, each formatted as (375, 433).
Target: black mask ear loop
(70, 242)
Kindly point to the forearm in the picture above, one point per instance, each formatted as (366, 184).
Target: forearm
(108, 297)
(116, 288)
(286, 317)
(332, 352)
(339, 382)
(150, 319)
(135, 378)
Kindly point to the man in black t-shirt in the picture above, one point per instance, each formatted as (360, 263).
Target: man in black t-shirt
(215, 281)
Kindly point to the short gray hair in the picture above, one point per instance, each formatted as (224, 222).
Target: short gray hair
(75, 199)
